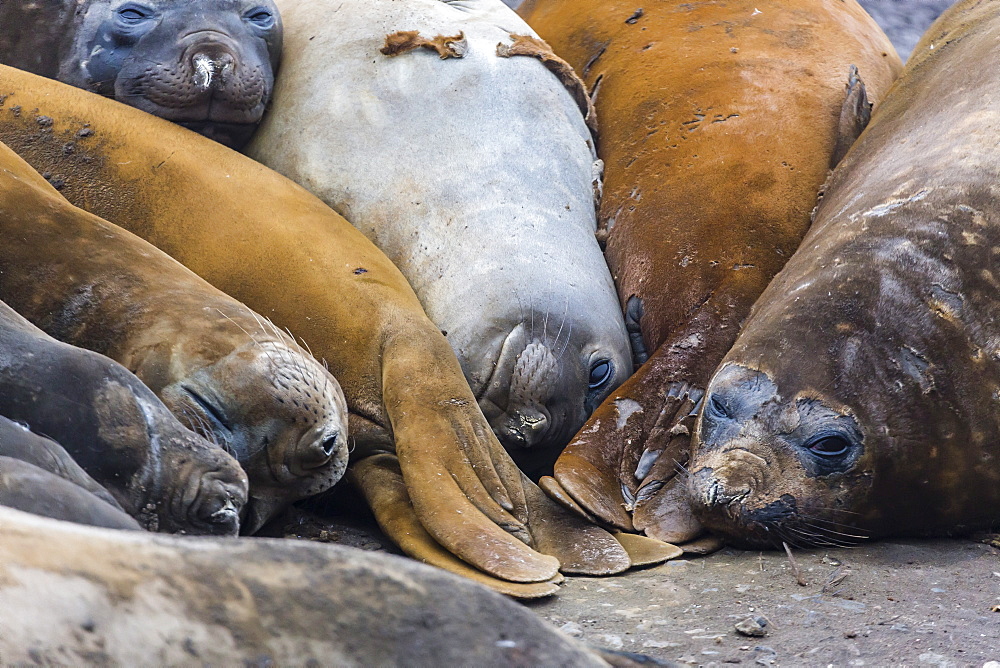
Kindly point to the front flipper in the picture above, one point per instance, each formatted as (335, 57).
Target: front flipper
(581, 547)
(381, 481)
(643, 551)
(465, 490)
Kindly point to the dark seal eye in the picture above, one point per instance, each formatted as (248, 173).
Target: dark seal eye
(829, 446)
(132, 14)
(718, 409)
(600, 373)
(260, 17)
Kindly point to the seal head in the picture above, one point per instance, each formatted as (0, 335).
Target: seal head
(208, 65)
(545, 382)
(771, 469)
(277, 410)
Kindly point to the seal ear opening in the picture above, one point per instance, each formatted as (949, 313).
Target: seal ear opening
(854, 116)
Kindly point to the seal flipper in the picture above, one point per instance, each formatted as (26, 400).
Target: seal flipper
(854, 116)
(441, 453)
(667, 515)
(381, 481)
(581, 547)
(26, 487)
(643, 551)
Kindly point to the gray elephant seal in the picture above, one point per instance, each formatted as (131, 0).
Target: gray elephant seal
(222, 369)
(490, 215)
(860, 399)
(29, 488)
(235, 602)
(163, 475)
(208, 65)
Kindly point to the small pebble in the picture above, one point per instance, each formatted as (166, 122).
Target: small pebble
(752, 627)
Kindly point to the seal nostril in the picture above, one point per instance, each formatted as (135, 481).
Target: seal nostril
(330, 445)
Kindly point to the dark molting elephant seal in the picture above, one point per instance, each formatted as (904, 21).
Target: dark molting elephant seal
(222, 369)
(281, 251)
(207, 64)
(490, 214)
(861, 398)
(75, 595)
(32, 489)
(167, 477)
(719, 122)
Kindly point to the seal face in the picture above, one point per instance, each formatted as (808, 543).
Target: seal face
(771, 470)
(208, 65)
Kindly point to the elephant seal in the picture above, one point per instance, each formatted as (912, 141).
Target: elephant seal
(490, 216)
(34, 490)
(18, 442)
(221, 368)
(720, 122)
(208, 65)
(165, 476)
(78, 595)
(281, 251)
(860, 398)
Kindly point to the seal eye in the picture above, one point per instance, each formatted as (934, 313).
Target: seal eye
(829, 446)
(260, 17)
(132, 14)
(718, 409)
(600, 373)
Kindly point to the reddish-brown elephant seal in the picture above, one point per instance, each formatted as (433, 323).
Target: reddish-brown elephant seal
(26, 487)
(75, 595)
(860, 400)
(490, 216)
(281, 251)
(217, 365)
(208, 65)
(168, 478)
(719, 122)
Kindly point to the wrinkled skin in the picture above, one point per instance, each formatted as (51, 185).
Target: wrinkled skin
(281, 251)
(490, 215)
(167, 477)
(860, 399)
(208, 65)
(219, 367)
(719, 122)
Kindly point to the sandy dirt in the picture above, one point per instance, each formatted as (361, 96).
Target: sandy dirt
(913, 603)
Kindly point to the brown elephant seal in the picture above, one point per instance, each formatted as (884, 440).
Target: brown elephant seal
(208, 65)
(26, 487)
(720, 121)
(78, 595)
(18, 442)
(281, 251)
(860, 398)
(222, 369)
(167, 477)
(490, 216)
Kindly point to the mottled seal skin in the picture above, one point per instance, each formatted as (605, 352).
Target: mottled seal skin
(281, 251)
(222, 369)
(168, 478)
(145, 599)
(860, 398)
(490, 216)
(208, 65)
(18, 442)
(34, 490)
(719, 122)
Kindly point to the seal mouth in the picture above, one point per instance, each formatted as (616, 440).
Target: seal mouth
(218, 505)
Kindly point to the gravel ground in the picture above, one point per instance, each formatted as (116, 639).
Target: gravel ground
(891, 603)
(903, 20)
